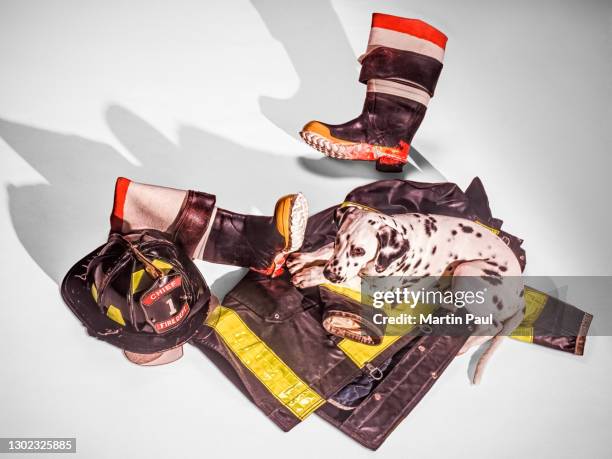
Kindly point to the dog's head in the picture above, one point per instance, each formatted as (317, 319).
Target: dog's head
(363, 237)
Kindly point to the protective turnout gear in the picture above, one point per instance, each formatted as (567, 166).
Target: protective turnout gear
(268, 336)
(400, 67)
(139, 292)
(209, 233)
(288, 364)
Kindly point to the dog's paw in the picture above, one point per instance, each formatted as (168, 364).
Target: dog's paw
(308, 277)
(297, 261)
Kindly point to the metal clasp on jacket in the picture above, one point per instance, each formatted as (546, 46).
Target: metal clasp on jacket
(374, 372)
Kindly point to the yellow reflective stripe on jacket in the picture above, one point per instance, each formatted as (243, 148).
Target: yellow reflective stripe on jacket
(265, 365)
(490, 228)
(534, 305)
(361, 353)
(358, 205)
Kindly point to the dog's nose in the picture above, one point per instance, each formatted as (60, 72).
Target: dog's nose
(331, 276)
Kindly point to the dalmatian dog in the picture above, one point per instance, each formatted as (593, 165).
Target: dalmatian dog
(423, 246)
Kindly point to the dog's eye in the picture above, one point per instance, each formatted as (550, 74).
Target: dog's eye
(357, 252)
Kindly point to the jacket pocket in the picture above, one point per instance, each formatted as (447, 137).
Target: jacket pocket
(272, 300)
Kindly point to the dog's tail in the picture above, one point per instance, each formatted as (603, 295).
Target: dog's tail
(508, 327)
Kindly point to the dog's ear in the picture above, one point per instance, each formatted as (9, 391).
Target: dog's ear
(391, 246)
(342, 213)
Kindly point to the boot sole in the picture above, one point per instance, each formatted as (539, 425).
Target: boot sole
(291, 216)
(388, 159)
(299, 219)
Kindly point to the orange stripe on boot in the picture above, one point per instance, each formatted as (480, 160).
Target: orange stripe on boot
(121, 189)
(414, 27)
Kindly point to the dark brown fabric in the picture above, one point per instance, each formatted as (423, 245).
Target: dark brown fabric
(193, 220)
(385, 120)
(413, 373)
(235, 239)
(405, 67)
(249, 241)
(562, 326)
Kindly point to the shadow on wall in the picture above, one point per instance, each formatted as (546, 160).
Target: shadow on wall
(325, 63)
(54, 221)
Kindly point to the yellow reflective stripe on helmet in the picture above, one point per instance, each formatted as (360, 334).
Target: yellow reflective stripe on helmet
(137, 275)
(114, 313)
(266, 366)
(534, 305)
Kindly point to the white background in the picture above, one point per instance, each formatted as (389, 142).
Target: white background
(211, 97)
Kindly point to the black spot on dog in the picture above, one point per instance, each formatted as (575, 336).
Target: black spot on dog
(416, 265)
(500, 306)
(355, 264)
(466, 229)
(455, 257)
(433, 251)
(430, 226)
(490, 272)
(491, 280)
(522, 293)
(492, 263)
(495, 299)
(389, 238)
(426, 266)
(478, 234)
(503, 269)
(454, 232)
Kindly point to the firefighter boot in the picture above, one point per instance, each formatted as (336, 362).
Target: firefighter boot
(400, 67)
